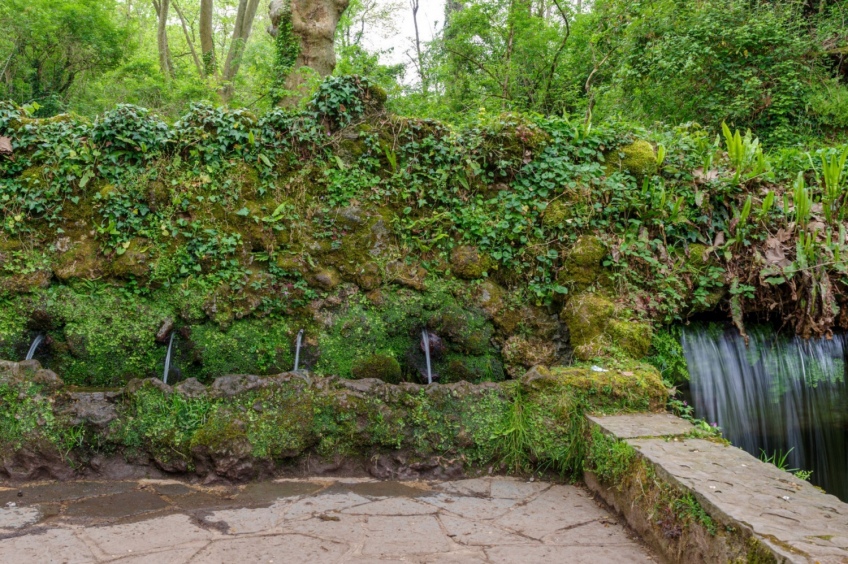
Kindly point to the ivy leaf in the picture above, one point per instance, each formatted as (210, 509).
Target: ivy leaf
(776, 280)
(243, 212)
(85, 179)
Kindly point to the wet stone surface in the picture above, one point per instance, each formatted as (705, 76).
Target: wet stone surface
(317, 520)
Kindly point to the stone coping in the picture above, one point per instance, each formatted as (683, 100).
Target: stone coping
(790, 518)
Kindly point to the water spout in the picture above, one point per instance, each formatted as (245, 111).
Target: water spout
(168, 358)
(425, 341)
(776, 395)
(297, 349)
(35, 342)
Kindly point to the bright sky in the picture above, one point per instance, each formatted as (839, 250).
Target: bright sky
(431, 15)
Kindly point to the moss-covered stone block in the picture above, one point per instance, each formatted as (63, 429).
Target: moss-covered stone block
(638, 158)
(632, 337)
(583, 264)
(82, 260)
(133, 261)
(587, 316)
(636, 386)
(381, 367)
(469, 263)
(521, 353)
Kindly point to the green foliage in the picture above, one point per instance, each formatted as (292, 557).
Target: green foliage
(667, 355)
(286, 51)
(47, 46)
(340, 100)
(611, 460)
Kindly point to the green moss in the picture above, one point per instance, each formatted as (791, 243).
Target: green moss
(611, 460)
(582, 266)
(634, 387)
(467, 262)
(382, 367)
(637, 158)
(13, 328)
(82, 260)
(557, 213)
(248, 346)
(587, 317)
(632, 337)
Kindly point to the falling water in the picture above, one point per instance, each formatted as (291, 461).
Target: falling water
(168, 358)
(425, 340)
(35, 342)
(297, 349)
(776, 394)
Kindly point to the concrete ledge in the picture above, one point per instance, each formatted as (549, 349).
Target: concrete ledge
(753, 511)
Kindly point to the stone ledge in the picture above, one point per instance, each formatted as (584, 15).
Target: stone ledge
(764, 514)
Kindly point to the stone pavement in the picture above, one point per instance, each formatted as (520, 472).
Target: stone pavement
(315, 521)
(795, 520)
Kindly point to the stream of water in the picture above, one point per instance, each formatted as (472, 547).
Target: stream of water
(775, 394)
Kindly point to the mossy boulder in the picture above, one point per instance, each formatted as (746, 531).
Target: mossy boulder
(632, 337)
(583, 264)
(557, 213)
(489, 297)
(80, 260)
(522, 353)
(467, 262)
(635, 386)
(381, 367)
(369, 277)
(638, 158)
(326, 278)
(134, 260)
(587, 316)
(406, 274)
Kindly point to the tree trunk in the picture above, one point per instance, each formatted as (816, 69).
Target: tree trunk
(314, 24)
(414, 4)
(241, 33)
(189, 39)
(165, 66)
(207, 40)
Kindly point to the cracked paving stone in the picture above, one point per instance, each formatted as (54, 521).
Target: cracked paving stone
(283, 548)
(561, 506)
(314, 521)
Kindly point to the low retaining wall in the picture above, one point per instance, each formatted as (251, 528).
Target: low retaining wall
(699, 500)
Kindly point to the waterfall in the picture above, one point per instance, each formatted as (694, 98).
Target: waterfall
(774, 395)
(425, 340)
(32, 348)
(297, 349)
(168, 358)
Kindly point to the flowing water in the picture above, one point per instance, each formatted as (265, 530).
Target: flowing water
(775, 394)
(168, 358)
(32, 348)
(425, 341)
(297, 349)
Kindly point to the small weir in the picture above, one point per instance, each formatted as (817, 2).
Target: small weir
(168, 358)
(34, 346)
(777, 395)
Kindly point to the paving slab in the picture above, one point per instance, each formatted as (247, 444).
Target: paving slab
(493, 519)
(638, 425)
(790, 517)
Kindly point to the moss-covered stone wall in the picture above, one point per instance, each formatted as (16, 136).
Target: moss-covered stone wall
(244, 427)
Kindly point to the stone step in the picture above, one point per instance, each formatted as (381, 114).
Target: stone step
(761, 512)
